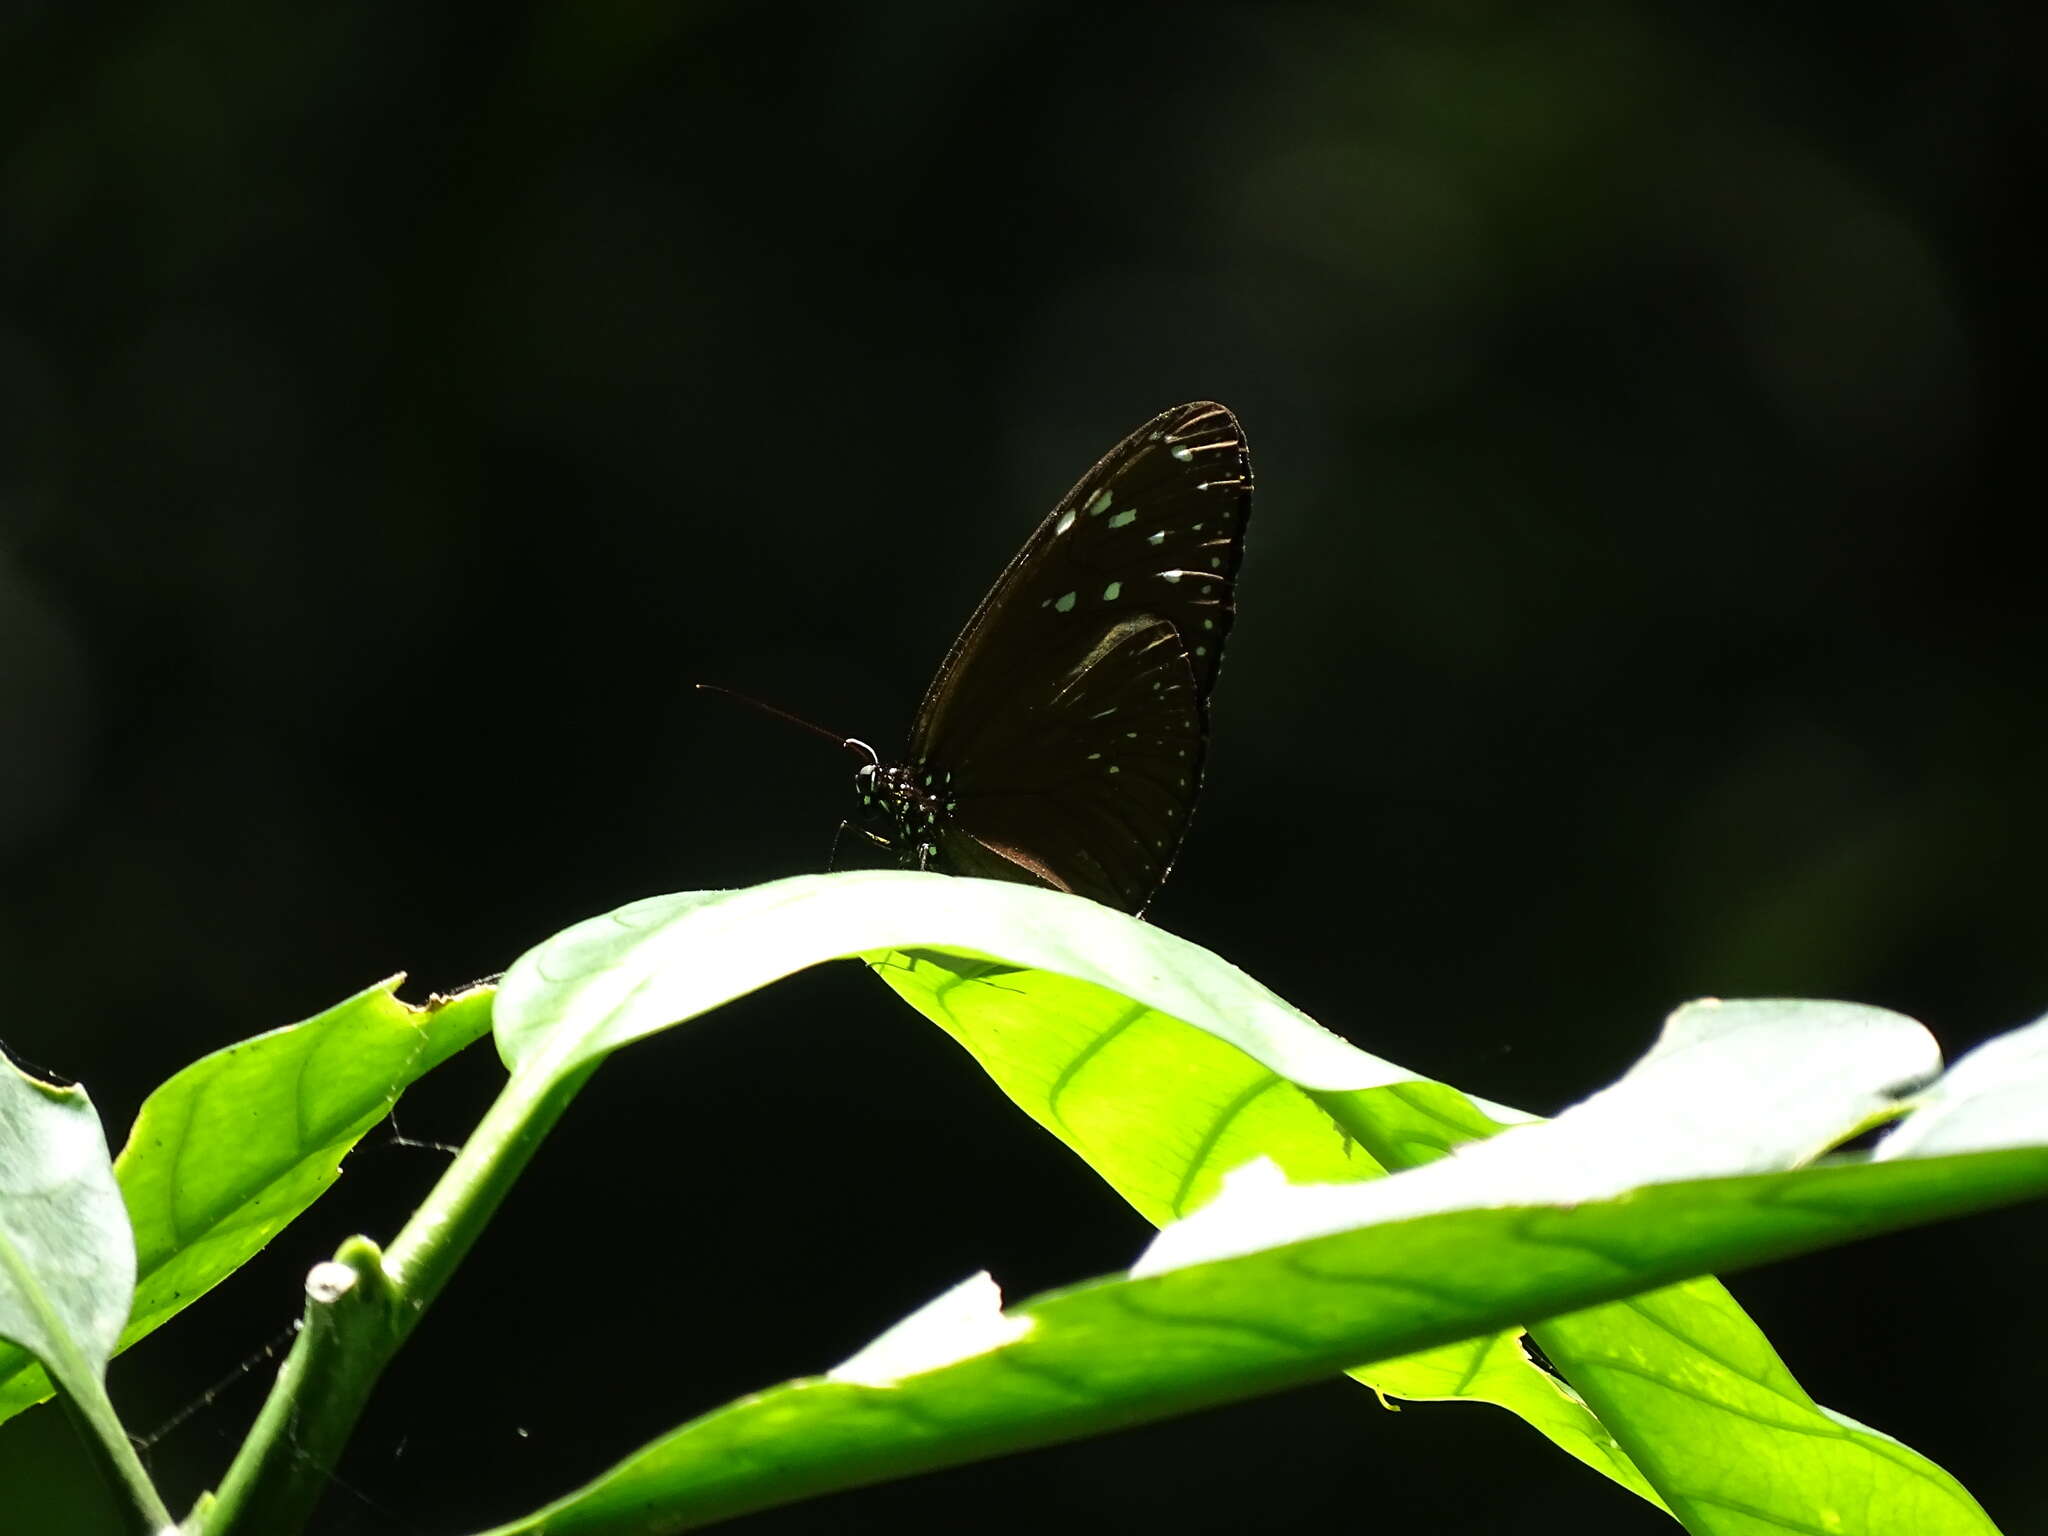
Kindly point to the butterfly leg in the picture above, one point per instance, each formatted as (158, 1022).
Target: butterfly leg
(866, 838)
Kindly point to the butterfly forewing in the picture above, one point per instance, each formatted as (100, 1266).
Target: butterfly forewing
(1064, 734)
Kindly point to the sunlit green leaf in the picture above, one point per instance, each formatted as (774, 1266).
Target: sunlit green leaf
(232, 1148)
(67, 1263)
(1165, 1067)
(1119, 1352)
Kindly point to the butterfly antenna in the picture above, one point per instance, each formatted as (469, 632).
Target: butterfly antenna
(852, 744)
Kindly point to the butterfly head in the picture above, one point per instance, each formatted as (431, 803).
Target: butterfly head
(903, 806)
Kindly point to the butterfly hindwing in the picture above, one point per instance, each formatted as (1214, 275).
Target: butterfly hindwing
(1092, 794)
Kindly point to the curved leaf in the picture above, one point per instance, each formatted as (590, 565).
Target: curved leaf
(229, 1150)
(67, 1262)
(1164, 1065)
(1119, 1352)
(614, 979)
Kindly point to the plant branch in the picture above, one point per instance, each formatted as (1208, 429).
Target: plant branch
(85, 1400)
(362, 1306)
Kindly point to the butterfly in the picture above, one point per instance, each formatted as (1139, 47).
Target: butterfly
(1061, 742)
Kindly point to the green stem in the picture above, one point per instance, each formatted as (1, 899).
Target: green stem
(85, 1399)
(361, 1308)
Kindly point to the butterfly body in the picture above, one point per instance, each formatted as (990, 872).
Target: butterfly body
(907, 803)
(1061, 742)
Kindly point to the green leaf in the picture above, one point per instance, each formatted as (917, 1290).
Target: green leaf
(1162, 1109)
(67, 1262)
(1693, 1392)
(1152, 1082)
(1995, 1097)
(1156, 1112)
(617, 978)
(1728, 1088)
(1119, 1352)
(227, 1152)
(1086, 1007)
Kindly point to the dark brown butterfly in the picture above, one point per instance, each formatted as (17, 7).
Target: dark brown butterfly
(1061, 743)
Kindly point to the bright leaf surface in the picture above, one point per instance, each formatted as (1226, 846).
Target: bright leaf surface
(606, 982)
(1108, 1354)
(1118, 1352)
(232, 1148)
(1159, 1062)
(1162, 1108)
(66, 1261)
(1728, 1088)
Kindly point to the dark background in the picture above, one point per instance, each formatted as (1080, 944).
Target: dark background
(401, 406)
